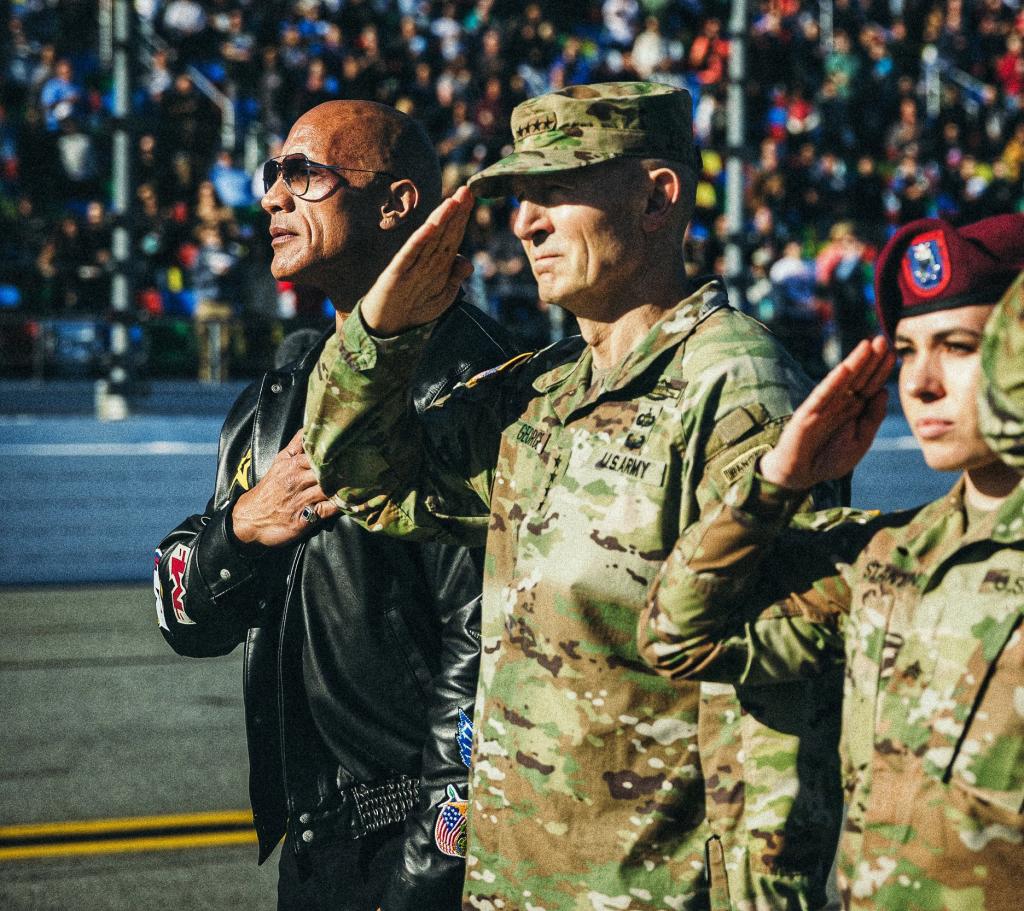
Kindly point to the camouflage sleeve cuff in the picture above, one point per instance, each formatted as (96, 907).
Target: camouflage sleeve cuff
(761, 500)
(363, 350)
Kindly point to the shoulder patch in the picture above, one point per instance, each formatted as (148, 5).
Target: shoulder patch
(736, 425)
(501, 368)
(737, 466)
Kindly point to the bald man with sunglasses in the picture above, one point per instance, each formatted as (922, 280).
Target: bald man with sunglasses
(361, 652)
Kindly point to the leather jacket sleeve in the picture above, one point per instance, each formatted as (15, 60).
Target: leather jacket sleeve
(209, 587)
(426, 877)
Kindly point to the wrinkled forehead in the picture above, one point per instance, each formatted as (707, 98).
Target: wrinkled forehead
(340, 139)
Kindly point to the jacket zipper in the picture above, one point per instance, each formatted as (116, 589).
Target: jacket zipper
(280, 681)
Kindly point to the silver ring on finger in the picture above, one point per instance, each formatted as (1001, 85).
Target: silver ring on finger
(310, 515)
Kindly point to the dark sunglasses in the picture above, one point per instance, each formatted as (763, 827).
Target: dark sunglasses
(304, 178)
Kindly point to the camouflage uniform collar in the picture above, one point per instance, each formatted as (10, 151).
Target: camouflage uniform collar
(554, 378)
(943, 532)
(665, 335)
(674, 327)
(1009, 518)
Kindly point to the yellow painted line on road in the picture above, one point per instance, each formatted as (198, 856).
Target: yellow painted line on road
(96, 826)
(169, 832)
(128, 845)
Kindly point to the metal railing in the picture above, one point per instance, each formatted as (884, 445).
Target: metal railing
(151, 42)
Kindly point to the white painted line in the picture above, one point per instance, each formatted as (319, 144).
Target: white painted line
(70, 450)
(174, 447)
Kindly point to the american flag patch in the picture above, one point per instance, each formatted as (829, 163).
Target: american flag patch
(450, 828)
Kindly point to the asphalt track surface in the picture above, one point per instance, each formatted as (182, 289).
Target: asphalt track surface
(123, 772)
(123, 769)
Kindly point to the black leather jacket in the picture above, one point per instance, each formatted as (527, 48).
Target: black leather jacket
(409, 652)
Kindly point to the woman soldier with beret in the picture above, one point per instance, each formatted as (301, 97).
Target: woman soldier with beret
(924, 606)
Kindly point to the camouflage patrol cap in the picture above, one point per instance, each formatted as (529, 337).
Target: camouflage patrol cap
(586, 124)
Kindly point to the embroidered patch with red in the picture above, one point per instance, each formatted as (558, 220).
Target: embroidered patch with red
(450, 828)
(926, 265)
(176, 568)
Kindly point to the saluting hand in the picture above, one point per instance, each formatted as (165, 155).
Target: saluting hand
(272, 512)
(422, 280)
(833, 428)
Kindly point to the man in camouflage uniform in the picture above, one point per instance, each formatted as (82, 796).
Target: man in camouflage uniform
(595, 783)
(1001, 397)
(924, 606)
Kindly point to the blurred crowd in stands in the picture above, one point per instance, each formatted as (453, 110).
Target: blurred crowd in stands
(861, 115)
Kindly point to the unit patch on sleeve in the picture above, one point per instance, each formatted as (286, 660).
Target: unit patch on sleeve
(450, 828)
(738, 465)
(176, 567)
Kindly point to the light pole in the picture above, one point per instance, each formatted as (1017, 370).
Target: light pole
(112, 393)
(735, 140)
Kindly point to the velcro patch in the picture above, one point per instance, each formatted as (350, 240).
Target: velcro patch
(176, 567)
(888, 574)
(533, 437)
(737, 466)
(649, 471)
(1002, 581)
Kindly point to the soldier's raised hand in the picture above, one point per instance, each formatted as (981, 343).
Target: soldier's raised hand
(833, 428)
(422, 280)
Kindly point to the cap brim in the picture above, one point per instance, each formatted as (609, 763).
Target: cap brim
(495, 181)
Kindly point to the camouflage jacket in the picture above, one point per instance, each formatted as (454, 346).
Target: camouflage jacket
(590, 772)
(1001, 396)
(927, 616)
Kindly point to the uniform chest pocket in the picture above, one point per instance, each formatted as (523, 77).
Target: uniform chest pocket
(988, 705)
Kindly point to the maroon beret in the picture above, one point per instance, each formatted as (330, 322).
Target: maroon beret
(929, 265)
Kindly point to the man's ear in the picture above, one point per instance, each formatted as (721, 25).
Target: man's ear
(664, 190)
(403, 197)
